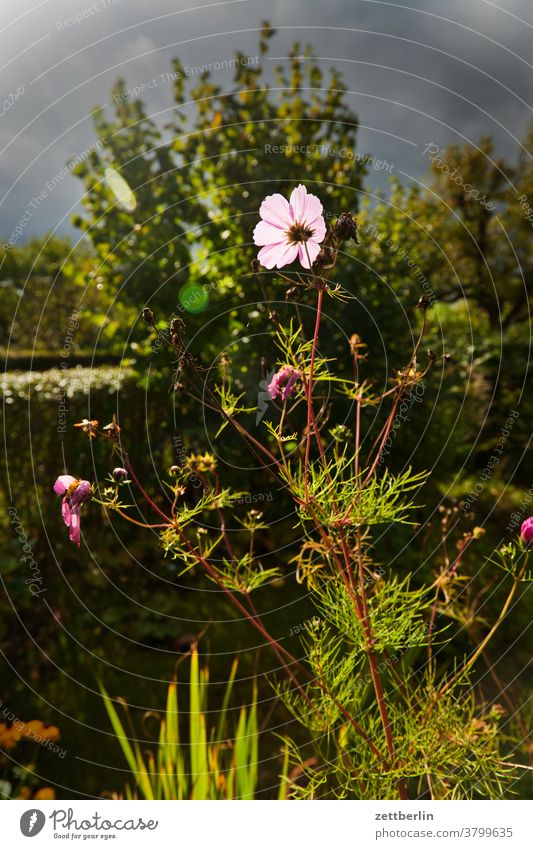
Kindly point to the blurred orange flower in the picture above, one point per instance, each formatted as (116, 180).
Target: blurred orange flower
(45, 793)
(8, 737)
(35, 730)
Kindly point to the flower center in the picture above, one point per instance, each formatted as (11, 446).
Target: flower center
(299, 233)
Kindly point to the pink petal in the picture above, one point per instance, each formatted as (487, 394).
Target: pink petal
(312, 249)
(318, 226)
(268, 234)
(273, 255)
(75, 531)
(273, 388)
(83, 492)
(65, 512)
(313, 209)
(62, 484)
(275, 210)
(298, 202)
(289, 255)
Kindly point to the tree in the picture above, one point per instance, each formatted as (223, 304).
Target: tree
(201, 189)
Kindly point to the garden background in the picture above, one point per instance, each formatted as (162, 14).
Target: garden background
(166, 221)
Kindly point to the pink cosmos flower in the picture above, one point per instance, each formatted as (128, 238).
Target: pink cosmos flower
(290, 230)
(75, 492)
(526, 531)
(283, 383)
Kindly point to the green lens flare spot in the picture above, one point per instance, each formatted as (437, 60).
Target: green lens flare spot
(193, 298)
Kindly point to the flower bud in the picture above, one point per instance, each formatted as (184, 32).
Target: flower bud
(346, 227)
(148, 316)
(119, 474)
(292, 293)
(284, 383)
(177, 326)
(112, 430)
(356, 344)
(326, 256)
(526, 531)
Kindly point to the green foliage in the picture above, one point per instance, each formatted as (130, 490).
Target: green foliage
(337, 497)
(42, 291)
(514, 559)
(449, 746)
(244, 575)
(395, 614)
(212, 762)
(473, 260)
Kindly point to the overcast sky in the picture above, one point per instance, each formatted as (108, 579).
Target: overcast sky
(424, 71)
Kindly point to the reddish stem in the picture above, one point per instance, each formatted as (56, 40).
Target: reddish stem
(145, 495)
(310, 416)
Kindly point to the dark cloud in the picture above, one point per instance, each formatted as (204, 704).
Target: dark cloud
(439, 72)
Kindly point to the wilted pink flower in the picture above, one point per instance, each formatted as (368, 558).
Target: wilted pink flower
(290, 230)
(526, 531)
(283, 383)
(75, 492)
